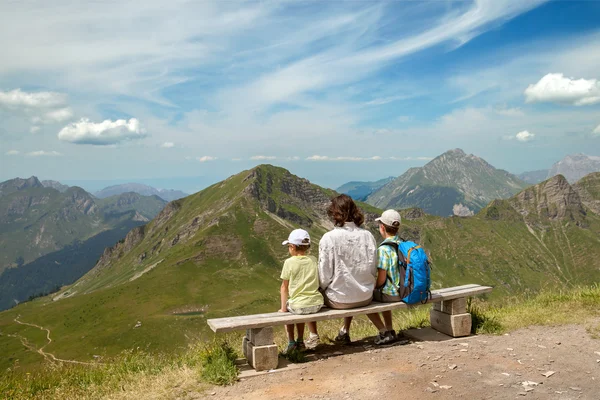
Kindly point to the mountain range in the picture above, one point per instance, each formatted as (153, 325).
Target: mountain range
(453, 178)
(573, 167)
(144, 190)
(218, 252)
(361, 190)
(42, 228)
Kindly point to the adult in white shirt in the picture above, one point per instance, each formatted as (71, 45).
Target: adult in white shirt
(347, 261)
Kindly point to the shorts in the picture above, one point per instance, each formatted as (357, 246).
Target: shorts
(385, 298)
(303, 310)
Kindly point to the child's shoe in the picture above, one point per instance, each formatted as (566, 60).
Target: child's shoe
(343, 337)
(312, 342)
(292, 346)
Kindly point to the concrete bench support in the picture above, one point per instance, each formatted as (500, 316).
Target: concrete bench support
(259, 349)
(451, 317)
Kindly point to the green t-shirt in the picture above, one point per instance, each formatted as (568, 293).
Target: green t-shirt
(301, 272)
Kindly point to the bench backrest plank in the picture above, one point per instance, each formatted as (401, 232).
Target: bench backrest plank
(277, 318)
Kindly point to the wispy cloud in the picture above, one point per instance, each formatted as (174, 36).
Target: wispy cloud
(103, 133)
(167, 145)
(596, 131)
(12, 153)
(18, 99)
(206, 158)
(43, 153)
(263, 158)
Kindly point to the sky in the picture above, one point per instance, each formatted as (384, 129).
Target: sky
(181, 94)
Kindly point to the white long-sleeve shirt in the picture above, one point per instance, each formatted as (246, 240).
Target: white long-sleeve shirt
(348, 264)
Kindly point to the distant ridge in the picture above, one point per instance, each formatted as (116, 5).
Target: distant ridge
(144, 190)
(361, 190)
(575, 166)
(449, 179)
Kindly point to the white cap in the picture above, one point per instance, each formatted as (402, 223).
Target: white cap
(298, 237)
(390, 218)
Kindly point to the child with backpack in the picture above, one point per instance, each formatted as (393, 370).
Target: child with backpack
(403, 273)
(300, 289)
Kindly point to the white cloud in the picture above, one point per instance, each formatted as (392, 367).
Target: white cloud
(555, 88)
(17, 99)
(596, 132)
(41, 153)
(523, 136)
(206, 158)
(262, 158)
(104, 133)
(12, 153)
(167, 145)
(34, 129)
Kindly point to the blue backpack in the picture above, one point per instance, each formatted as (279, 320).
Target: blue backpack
(415, 272)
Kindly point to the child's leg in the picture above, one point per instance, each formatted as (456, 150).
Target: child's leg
(347, 322)
(387, 318)
(312, 327)
(300, 328)
(290, 332)
(376, 320)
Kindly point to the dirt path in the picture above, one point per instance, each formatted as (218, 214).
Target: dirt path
(482, 367)
(48, 356)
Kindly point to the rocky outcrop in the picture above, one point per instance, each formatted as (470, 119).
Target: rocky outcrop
(287, 196)
(553, 199)
(17, 184)
(588, 189)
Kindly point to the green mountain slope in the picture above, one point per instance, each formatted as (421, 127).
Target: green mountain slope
(40, 222)
(451, 178)
(361, 190)
(218, 252)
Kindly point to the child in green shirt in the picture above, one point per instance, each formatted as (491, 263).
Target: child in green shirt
(300, 288)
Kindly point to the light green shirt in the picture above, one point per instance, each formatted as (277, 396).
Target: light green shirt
(303, 277)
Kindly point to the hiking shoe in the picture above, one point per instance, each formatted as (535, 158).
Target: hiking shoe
(312, 342)
(385, 338)
(292, 346)
(343, 337)
(300, 346)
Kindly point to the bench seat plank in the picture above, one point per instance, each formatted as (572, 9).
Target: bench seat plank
(228, 324)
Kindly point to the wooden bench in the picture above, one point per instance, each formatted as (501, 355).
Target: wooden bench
(448, 315)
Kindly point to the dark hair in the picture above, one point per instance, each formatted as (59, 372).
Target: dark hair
(303, 247)
(342, 209)
(392, 230)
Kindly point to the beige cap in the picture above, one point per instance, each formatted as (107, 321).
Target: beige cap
(390, 218)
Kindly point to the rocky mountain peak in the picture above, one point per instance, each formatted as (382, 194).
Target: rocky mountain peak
(553, 199)
(575, 166)
(17, 184)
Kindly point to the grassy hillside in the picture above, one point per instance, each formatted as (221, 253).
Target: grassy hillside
(219, 253)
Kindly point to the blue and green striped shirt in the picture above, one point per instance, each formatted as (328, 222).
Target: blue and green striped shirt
(388, 261)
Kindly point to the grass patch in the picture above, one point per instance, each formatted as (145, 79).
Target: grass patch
(218, 364)
(294, 356)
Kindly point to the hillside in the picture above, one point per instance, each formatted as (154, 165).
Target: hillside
(41, 229)
(144, 190)
(218, 252)
(575, 166)
(451, 178)
(361, 190)
(534, 177)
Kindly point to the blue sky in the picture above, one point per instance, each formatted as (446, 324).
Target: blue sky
(181, 94)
